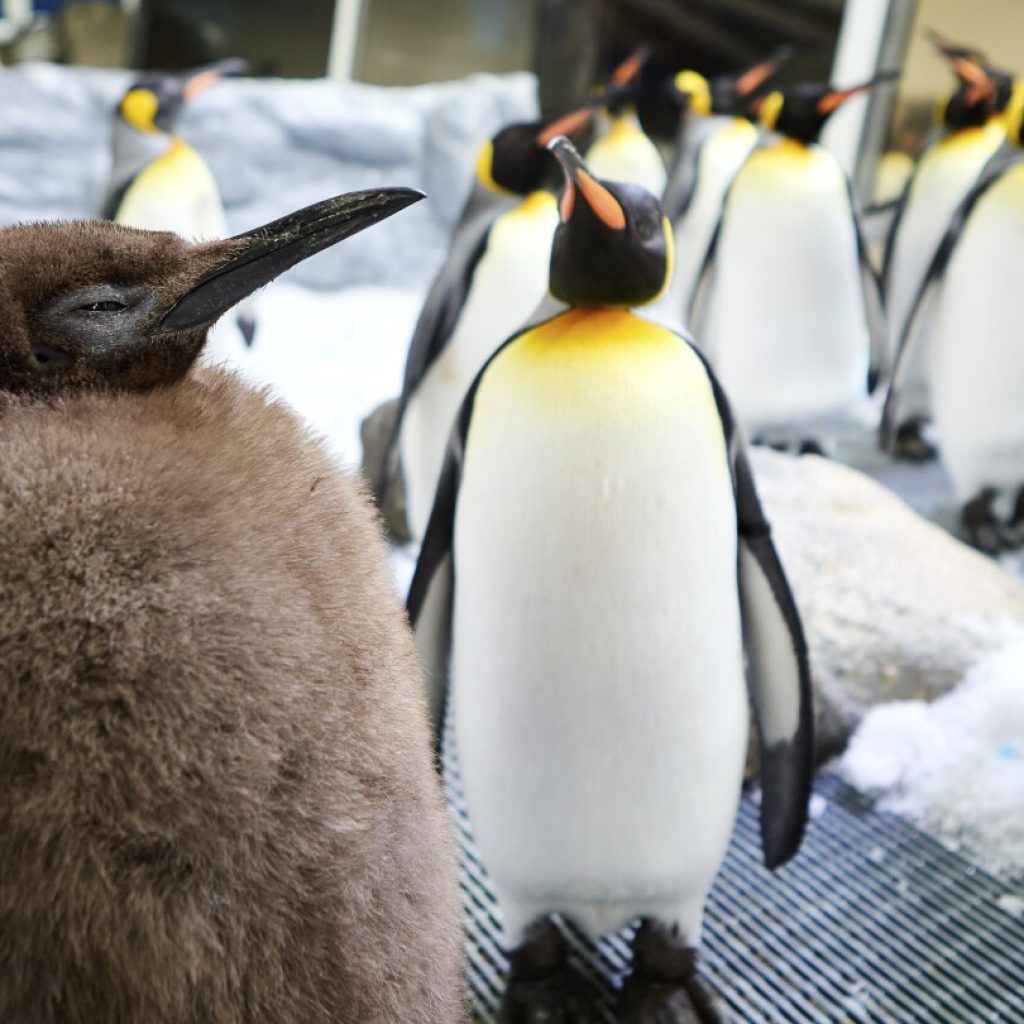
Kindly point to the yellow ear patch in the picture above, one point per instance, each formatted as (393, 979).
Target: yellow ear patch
(484, 164)
(771, 107)
(139, 108)
(695, 85)
(1013, 117)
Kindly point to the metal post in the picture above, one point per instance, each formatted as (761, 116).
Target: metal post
(345, 28)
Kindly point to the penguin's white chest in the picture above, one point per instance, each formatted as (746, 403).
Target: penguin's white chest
(720, 157)
(786, 323)
(977, 351)
(176, 192)
(597, 664)
(509, 282)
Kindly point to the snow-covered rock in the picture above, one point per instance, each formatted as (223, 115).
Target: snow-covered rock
(274, 145)
(894, 607)
(957, 765)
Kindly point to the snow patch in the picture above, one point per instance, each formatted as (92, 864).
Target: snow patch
(956, 766)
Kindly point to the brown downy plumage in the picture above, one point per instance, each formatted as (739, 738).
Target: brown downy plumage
(217, 798)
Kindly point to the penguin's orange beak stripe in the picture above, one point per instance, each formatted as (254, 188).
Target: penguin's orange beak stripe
(601, 201)
(629, 68)
(831, 100)
(755, 77)
(567, 203)
(975, 76)
(201, 83)
(567, 124)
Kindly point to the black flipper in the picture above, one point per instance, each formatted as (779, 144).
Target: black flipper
(928, 292)
(683, 174)
(778, 668)
(442, 308)
(873, 304)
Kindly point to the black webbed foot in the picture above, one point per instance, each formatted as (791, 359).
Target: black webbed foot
(910, 443)
(981, 526)
(812, 446)
(543, 988)
(664, 987)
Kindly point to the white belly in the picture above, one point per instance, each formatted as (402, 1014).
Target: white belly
(598, 686)
(787, 325)
(944, 177)
(977, 357)
(510, 281)
(720, 158)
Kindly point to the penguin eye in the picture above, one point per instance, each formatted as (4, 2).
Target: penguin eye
(646, 227)
(108, 306)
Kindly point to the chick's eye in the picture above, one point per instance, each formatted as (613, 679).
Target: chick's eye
(108, 306)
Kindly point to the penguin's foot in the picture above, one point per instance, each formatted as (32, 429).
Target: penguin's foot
(984, 530)
(910, 443)
(664, 987)
(801, 446)
(542, 986)
(812, 446)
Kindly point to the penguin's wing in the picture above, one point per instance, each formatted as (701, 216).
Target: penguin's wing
(778, 669)
(685, 170)
(695, 305)
(894, 226)
(928, 292)
(872, 288)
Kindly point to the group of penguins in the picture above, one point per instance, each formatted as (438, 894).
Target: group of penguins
(597, 591)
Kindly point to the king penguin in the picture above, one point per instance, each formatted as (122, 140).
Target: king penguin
(975, 357)
(710, 149)
(787, 305)
(596, 564)
(493, 280)
(160, 183)
(973, 133)
(622, 150)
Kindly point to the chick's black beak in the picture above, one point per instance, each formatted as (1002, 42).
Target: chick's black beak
(577, 178)
(257, 257)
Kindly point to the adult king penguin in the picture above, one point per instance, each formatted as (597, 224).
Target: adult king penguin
(945, 173)
(710, 149)
(494, 278)
(791, 337)
(580, 566)
(622, 150)
(160, 183)
(975, 357)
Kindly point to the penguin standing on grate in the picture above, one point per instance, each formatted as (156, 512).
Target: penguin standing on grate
(596, 564)
(159, 182)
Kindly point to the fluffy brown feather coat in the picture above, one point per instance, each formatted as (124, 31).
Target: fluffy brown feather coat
(217, 800)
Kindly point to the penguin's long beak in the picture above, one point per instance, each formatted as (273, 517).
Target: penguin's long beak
(967, 65)
(567, 124)
(577, 178)
(754, 77)
(623, 77)
(209, 75)
(834, 99)
(256, 257)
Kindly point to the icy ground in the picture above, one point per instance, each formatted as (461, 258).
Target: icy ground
(956, 766)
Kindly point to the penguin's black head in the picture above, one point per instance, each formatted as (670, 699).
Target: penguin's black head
(800, 111)
(731, 94)
(977, 96)
(517, 161)
(154, 102)
(91, 304)
(613, 246)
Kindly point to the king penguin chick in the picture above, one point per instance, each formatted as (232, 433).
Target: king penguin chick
(595, 558)
(218, 801)
(158, 181)
(973, 133)
(711, 147)
(787, 305)
(622, 150)
(975, 357)
(493, 280)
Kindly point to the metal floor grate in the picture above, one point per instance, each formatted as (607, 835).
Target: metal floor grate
(873, 921)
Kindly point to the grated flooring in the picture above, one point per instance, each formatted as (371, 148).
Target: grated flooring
(873, 921)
